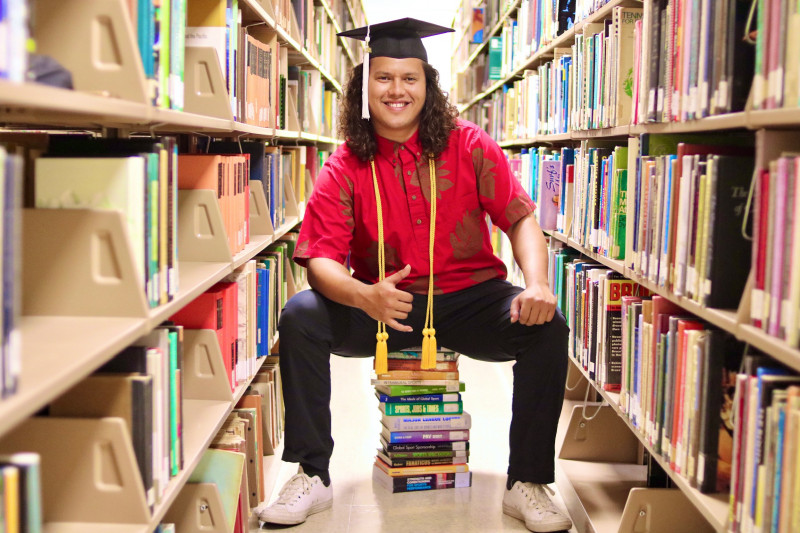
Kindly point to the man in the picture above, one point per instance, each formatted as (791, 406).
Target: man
(376, 205)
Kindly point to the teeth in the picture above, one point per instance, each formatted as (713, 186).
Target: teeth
(397, 105)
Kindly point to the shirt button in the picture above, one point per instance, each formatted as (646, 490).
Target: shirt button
(419, 221)
(409, 172)
(402, 147)
(413, 196)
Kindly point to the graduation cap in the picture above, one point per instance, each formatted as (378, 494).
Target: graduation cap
(400, 39)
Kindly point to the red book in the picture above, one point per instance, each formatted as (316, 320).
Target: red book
(760, 247)
(678, 390)
(207, 312)
(661, 306)
(230, 305)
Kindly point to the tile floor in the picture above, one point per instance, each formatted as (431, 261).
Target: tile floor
(361, 507)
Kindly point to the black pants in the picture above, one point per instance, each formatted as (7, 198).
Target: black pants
(474, 322)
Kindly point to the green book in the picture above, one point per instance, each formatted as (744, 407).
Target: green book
(422, 408)
(224, 469)
(406, 390)
(495, 58)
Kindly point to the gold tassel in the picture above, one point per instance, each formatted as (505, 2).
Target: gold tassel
(428, 361)
(381, 354)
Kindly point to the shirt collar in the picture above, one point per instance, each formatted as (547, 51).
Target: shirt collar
(389, 149)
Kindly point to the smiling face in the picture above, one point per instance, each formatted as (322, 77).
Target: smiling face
(396, 96)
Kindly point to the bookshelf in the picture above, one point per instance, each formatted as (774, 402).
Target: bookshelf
(774, 133)
(71, 324)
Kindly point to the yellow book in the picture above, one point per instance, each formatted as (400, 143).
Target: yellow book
(11, 490)
(412, 470)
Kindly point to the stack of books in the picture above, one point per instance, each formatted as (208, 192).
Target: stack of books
(425, 430)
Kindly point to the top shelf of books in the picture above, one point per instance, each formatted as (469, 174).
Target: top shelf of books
(617, 64)
(195, 65)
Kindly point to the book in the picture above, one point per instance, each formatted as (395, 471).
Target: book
(405, 387)
(723, 358)
(418, 482)
(420, 398)
(421, 375)
(427, 422)
(426, 446)
(426, 408)
(27, 466)
(408, 470)
(397, 437)
(224, 469)
(402, 462)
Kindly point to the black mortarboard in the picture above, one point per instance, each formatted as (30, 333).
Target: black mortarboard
(400, 39)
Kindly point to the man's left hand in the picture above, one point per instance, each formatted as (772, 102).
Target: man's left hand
(535, 305)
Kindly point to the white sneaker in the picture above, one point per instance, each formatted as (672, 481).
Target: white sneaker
(299, 497)
(531, 503)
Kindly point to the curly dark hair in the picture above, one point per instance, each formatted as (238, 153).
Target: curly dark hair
(437, 120)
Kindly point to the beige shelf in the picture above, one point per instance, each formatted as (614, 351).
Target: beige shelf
(727, 121)
(775, 347)
(33, 103)
(59, 351)
(555, 137)
(619, 131)
(171, 120)
(88, 527)
(713, 507)
(788, 117)
(256, 245)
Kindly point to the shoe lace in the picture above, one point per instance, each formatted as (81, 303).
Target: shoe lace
(296, 487)
(538, 496)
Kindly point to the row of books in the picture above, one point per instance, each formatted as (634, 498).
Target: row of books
(20, 493)
(243, 311)
(673, 372)
(244, 438)
(160, 32)
(254, 65)
(13, 39)
(424, 428)
(600, 81)
(143, 385)
(775, 296)
(139, 178)
(541, 170)
(777, 55)
(664, 205)
(691, 60)
(764, 405)
(11, 185)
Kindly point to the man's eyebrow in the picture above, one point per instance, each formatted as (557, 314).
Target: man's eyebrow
(387, 73)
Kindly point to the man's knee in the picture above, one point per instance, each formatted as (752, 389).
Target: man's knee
(302, 309)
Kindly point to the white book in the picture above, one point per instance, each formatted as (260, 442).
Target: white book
(114, 183)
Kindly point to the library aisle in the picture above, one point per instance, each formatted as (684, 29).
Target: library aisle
(358, 507)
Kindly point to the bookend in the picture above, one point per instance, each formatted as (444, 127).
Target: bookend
(204, 371)
(88, 469)
(600, 436)
(95, 42)
(576, 385)
(57, 278)
(260, 221)
(198, 508)
(292, 208)
(201, 231)
(661, 511)
(292, 116)
(205, 90)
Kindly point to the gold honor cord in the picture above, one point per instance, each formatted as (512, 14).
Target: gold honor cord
(428, 332)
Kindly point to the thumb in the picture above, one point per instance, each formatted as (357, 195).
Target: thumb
(514, 310)
(398, 276)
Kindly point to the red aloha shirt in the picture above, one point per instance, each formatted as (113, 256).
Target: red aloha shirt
(473, 178)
